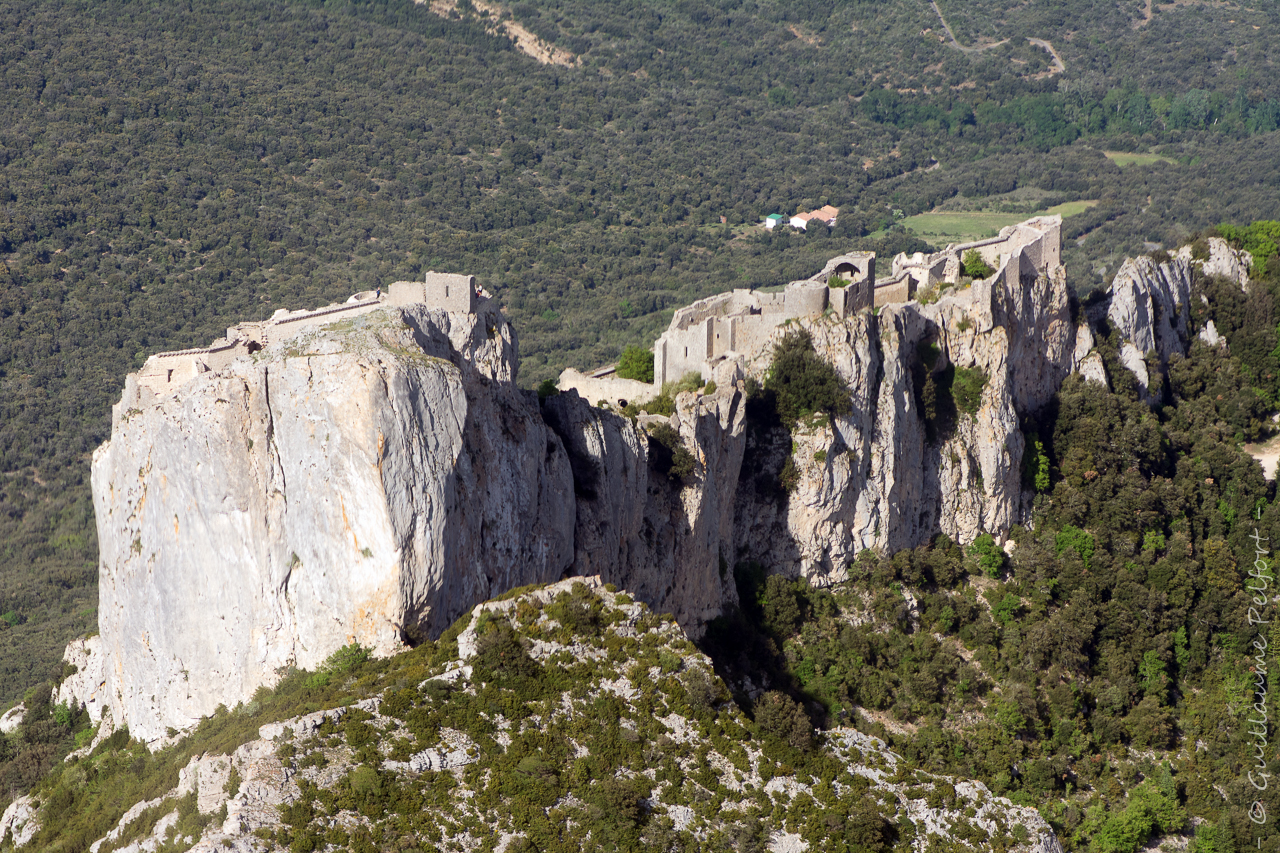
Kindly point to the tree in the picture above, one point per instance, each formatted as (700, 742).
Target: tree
(975, 266)
(803, 382)
(990, 556)
(636, 363)
(780, 717)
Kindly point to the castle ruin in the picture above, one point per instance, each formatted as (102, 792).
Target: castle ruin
(165, 372)
(738, 324)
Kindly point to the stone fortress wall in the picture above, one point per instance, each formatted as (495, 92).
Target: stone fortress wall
(165, 372)
(739, 324)
(728, 326)
(1037, 243)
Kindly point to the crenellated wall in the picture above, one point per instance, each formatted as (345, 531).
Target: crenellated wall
(165, 372)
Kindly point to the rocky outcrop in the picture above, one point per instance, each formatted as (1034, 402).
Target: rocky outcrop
(1223, 261)
(20, 821)
(366, 482)
(665, 540)
(245, 793)
(1147, 306)
(883, 477)
(369, 480)
(84, 686)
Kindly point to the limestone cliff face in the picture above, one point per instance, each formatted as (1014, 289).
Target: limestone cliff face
(878, 478)
(1148, 305)
(367, 482)
(668, 542)
(370, 480)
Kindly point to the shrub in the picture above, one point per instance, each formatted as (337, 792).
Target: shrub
(780, 717)
(668, 454)
(789, 477)
(1035, 463)
(975, 266)
(802, 382)
(547, 388)
(990, 557)
(781, 603)
(636, 363)
(499, 650)
(966, 388)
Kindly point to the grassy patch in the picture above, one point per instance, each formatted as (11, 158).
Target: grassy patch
(1125, 158)
(942, 227)
(1071, 208)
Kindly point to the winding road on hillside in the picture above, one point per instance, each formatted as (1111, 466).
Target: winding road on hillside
(954, 41)
(1057, 67)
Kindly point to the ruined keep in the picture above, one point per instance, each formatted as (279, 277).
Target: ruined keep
(738, 324)
(165, 372)
(1037, 243)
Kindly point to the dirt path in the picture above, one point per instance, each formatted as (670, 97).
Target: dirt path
(1268, 454)
(954, 42)
(525, 41)
(1146, 16)
(1058, 65)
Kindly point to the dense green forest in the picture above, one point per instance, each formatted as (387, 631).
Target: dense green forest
(173, 168)
(1105, 666)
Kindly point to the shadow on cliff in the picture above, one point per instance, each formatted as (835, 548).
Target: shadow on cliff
(745, 641)
(631, 525)
(509, 510)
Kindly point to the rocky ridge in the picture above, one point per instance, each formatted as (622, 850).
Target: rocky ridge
(681, 758)
(372, 479)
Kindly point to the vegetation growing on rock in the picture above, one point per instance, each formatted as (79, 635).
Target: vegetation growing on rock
(557, 718)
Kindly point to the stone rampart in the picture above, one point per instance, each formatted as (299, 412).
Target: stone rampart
(611, 389)
(1037, 241)
(741, 323)
(895, 290)
(165, 372)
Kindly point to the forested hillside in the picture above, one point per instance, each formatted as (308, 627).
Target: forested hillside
(172, 168)
(1104, 667)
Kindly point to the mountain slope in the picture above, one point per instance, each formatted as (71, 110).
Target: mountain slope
(558, 718)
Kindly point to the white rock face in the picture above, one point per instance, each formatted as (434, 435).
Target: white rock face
(874, 479)
(1148, 305)
(20, 821)
(1209, 334)
(370, 480)
(1093, 370)
(1223, 261)
(363, 483)
(84, 686)
(12, 718)
(662, 540)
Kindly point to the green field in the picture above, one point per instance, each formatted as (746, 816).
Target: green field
(961, 227)
(1124, 158)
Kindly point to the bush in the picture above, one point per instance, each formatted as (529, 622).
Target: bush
(966, 388)
(668, 454)
(547, 388)
(990, 557)
(802, 382)
(499, 650)
(975, 266)
(636, 363)
(779, 717)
